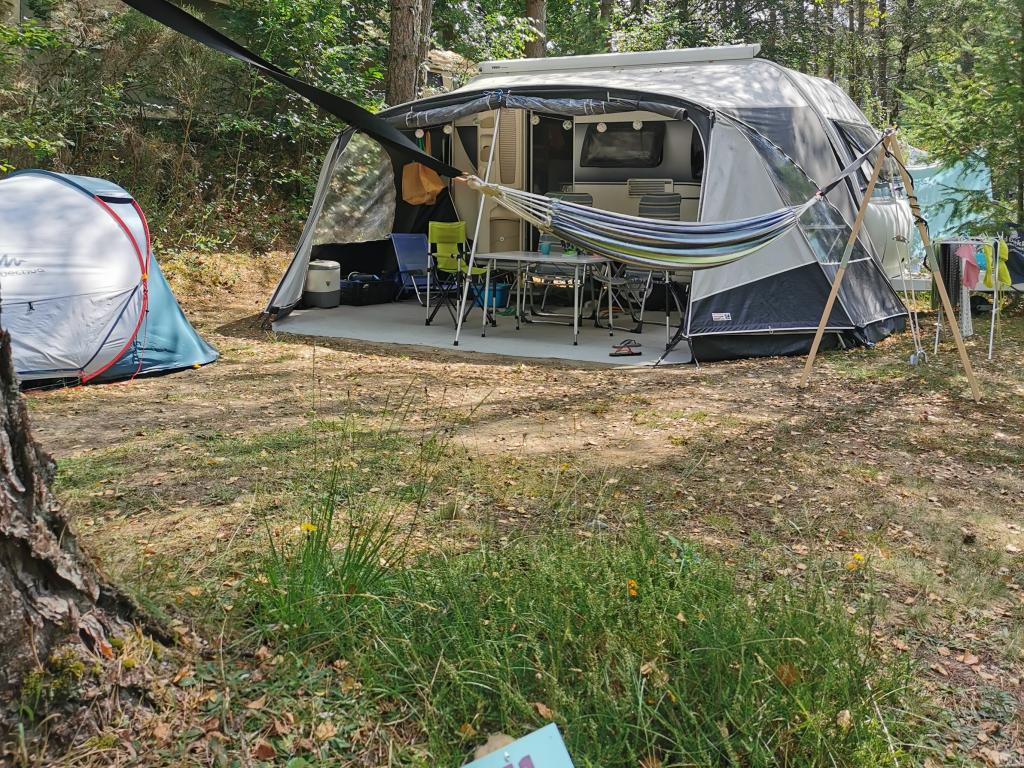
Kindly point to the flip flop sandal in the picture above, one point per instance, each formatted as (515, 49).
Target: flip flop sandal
(624, 350)
(629, 343)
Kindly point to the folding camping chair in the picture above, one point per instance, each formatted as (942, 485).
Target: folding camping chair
(449, 267)
(412, 253)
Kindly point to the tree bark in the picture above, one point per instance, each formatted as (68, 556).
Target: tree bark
(426, 19)
(903, 57)
(48, 587)
(537, 13)
(605, 10)
(403, 51)
(882, 87)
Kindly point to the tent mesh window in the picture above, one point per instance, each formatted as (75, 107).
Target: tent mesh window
(360, 204)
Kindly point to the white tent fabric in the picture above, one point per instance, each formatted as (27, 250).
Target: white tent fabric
(68, 312)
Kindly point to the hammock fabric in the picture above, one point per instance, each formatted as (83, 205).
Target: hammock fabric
(657, 243)
(647, 243)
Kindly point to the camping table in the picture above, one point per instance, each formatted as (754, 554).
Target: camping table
(522, 260)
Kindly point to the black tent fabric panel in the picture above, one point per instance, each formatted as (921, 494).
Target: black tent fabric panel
(791, 300)
(866, 293)
(710, 349)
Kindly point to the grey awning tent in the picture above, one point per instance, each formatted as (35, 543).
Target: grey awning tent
(772, 136)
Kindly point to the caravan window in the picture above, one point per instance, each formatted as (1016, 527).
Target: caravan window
(623, 146)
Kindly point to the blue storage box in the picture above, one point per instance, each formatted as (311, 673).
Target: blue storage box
(496, 293)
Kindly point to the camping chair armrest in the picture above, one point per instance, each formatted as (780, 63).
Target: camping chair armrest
(415, 272)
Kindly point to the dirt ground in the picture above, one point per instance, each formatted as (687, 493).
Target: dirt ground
(874, 457)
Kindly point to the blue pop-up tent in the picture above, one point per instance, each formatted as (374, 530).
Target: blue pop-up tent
(80, 292)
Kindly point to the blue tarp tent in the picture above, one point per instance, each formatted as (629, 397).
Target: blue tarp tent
(942, 191)
(80, 292)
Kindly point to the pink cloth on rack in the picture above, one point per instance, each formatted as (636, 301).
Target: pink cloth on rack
(970, 271)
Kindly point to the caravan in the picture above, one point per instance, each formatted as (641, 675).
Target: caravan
(696, 135)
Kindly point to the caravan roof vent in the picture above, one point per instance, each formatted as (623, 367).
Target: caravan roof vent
(641, 187)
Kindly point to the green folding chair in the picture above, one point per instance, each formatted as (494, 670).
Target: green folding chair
(449, 253)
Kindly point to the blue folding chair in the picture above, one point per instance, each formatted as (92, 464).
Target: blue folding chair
(412, 252)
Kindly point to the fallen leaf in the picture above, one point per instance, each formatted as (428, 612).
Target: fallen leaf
(264, 750)
(992, 757)
(162, 732)
(257, 703)
(543, 710)
(182, 674)
(787, 674)
(467, 731)
(970, 659)
(844, 720)
(281, 728)
(494, 742)
(325, 730)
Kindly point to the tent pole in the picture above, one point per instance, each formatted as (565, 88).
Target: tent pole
(847, 252)
(476, 232)
(932, 262)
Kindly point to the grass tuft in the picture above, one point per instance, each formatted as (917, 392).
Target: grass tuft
(636, 646)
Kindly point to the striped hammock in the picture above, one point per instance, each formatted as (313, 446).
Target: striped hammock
(647, 243)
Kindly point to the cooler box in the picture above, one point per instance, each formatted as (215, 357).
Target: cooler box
(323, 284)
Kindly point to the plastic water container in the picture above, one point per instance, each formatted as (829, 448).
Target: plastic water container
(323, 284)
(497, 294)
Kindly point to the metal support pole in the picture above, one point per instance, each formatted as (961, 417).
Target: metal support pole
(476, 233)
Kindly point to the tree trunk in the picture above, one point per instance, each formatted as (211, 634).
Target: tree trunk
(403, 51)
(605, 10)
(903, 57)
(48, 587)
(882, 87)
(537, 13)
(426, 19)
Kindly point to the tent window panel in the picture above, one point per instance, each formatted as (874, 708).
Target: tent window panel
(822, 225)
(621, 145)
(857, 139)
(360, 203)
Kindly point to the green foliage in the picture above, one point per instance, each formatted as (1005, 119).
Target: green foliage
(51, 684)
(223, 159)
(977, 107)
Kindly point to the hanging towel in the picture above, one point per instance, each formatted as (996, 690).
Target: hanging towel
(997, 255)
(979, 256)
(969, 269)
